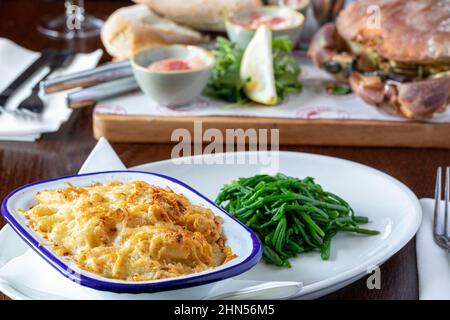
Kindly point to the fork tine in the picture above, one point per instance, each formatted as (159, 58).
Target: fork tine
(437, 200)
(447, 188)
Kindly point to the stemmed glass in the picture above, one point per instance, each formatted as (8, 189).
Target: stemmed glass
(74, 23)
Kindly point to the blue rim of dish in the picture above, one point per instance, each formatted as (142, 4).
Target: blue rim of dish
(105, 285)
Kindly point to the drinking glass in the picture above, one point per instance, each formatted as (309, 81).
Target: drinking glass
(74, 23)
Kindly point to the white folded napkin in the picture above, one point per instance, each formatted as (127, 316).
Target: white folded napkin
(433, 262)
(15, 59)
(44, 282)
(25, 137)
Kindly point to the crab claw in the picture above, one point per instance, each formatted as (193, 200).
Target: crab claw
(328, 51)
(423, 98)
(326, 10)
(414, 100)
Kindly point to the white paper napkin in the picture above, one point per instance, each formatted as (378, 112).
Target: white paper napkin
(30, 274)
(433, 262)
(15, 59)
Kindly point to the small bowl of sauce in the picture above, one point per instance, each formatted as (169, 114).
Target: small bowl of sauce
(173, 75)
(283, 21)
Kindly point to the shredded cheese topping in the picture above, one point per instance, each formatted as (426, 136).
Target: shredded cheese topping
(131, 231)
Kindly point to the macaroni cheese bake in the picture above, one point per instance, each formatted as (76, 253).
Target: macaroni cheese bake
(132, 231)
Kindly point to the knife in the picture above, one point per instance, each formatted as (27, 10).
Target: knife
(40, 62)
(87, 78)
(89, 96)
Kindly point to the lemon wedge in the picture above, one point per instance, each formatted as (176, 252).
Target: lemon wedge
(257, 68)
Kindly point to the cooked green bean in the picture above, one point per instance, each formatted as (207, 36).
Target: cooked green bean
(290, 215)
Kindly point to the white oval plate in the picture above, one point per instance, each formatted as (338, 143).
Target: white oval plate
(391, 206)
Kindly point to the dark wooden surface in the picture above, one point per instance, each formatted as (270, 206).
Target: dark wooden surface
(63, 152)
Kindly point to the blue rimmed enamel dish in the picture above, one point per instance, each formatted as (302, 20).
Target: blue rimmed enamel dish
(244, 243)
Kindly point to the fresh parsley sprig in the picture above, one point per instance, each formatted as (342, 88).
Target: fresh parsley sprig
(285, 67)
(226, 83)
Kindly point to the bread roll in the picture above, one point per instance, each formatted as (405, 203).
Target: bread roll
(206, 15)
(132, 29)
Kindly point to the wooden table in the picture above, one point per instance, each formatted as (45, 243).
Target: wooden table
(63, 152)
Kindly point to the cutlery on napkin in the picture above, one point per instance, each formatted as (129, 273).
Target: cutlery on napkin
(52, 285)
(433, 262)
(15, 128)
(33, 105)
(42, 60)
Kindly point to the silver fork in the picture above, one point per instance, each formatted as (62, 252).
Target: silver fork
(33, 106)
(441, 231)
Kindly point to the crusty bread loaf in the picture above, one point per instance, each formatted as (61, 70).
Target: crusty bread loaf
(206, 15)
(131, 29)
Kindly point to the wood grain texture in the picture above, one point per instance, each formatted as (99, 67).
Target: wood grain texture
(158, 129)
(62, 153)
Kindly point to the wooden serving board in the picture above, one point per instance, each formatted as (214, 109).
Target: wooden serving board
(158, 129)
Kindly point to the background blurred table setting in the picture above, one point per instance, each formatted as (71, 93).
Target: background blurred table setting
(23, 127)
(318, 103)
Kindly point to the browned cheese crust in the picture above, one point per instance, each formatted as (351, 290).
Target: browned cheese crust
(131, 231)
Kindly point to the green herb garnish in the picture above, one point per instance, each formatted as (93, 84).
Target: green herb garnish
(289, 215)
(226, 83)
(338, 89)
(285, 67)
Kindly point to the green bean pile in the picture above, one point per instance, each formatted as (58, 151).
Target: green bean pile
(289, 215)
